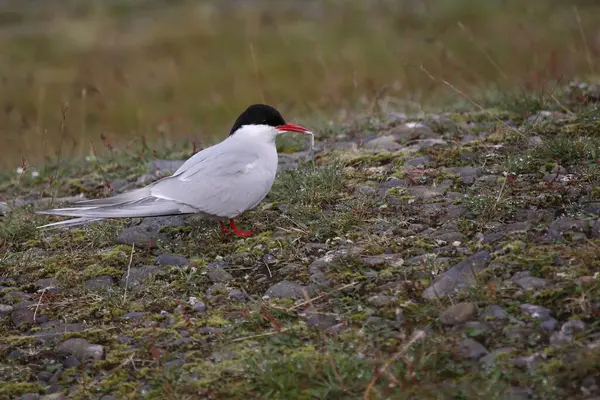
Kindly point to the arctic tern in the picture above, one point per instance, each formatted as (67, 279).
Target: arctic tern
(219, 182)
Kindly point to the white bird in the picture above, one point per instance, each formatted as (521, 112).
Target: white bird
(219, 182)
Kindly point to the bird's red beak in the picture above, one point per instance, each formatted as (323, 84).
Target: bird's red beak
(293, 128)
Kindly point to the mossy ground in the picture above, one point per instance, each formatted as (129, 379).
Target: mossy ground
(263, 348)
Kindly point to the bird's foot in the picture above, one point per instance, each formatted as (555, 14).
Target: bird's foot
(238, 232)
(223, 229)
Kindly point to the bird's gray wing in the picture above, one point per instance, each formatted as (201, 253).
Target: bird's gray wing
(224, 185)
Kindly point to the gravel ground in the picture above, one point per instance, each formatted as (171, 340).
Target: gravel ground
(454, 256)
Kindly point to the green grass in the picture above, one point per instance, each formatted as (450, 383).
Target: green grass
(180, 72)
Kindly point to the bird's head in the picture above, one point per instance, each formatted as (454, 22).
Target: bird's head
(263, 122)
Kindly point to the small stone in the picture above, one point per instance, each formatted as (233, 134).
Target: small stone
(595, 231)
(16, 355)
(573, 326)
(71, 362)
(82, 349)
(427, 143)
(536, 312)
(516, 393)
(237, 294)
(565, 224)
(269, 259)
(381, 300)
(99, 283)
(549, 325)
(386, 142)
(475, 329)
(135, 316)
(171, 259)
(458, 314)
(199, 307)
(527, 362)
(217, 273)
(147, 234)
(287, 289)
(534, 141)
(490, 358)
(472, 349)
(418, 162)
(22, 314)
(322, 322)
(518, 333)
(458, 276)
(48, 284)
(493, 313)
(29, 396)
(531, 282)
(5, 309)
(560, 339)
(136, 277)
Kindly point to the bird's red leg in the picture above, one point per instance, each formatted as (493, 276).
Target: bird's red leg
(237, 231)
(223, 229)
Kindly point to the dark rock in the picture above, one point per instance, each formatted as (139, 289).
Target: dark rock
(147, 234)
(472, 349)
(53, 331)
(134, 316)
(493, 313)
(29, 396)
(381, 300)
(23, 313)
(427, 143)
(386, 142)
(99, 283)
(216, 272)
(458, 314)
(426, 192)
(319, 267)
(549, 325)
(531, 282)
(418, 162)
(287, 289)
(17, 355)
(534, 141)
(490, 359)
(48, 284)
(172, 259)
(460, 275)
(411, 131)
(322, 322)
(15, 297)
(81, 349)
(467, 175)
(71, 362)
(536, 312)
(269, 259)
(563, 225)
(595, 231)
(237, 294)
(199, 307)
(475, 329)
(5, 309)
(516, 393)
(136, 277)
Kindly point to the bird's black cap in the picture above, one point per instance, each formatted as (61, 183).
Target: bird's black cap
(258, 114)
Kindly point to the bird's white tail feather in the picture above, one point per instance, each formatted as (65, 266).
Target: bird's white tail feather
(69, 223)
(146, 207)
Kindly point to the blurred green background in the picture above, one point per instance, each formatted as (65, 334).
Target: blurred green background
(83, 75)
